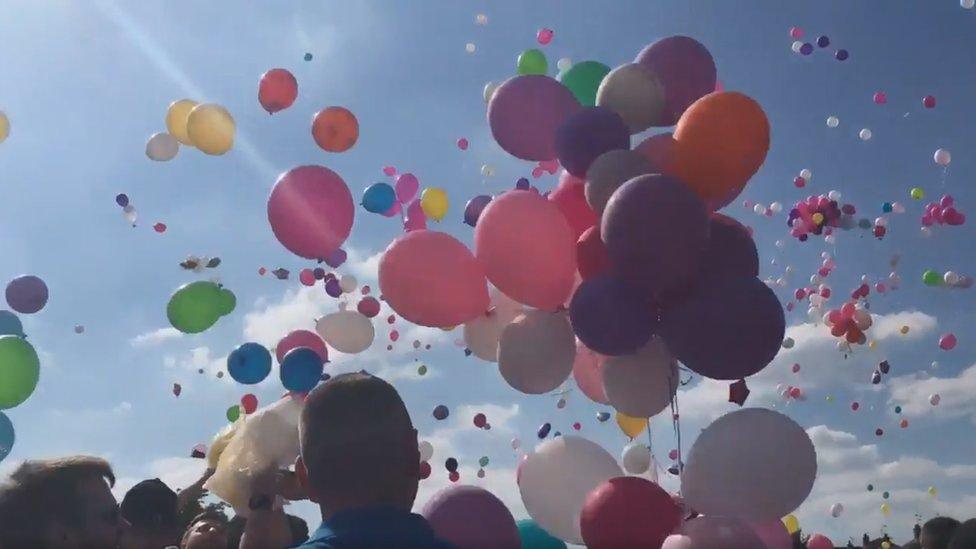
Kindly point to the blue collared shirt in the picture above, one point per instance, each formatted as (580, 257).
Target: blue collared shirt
(375, 527)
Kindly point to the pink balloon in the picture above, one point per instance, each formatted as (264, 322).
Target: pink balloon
(406, 187)
(588, 373)
(311, 211)
(774, 534)
(415, 219)
(394, 210)
(431, 279)
(307, 277)
(948, 342)
(570, 198)
(525, 112)
(527, 248)
(389, 170)
(301, 338)
(819, 541)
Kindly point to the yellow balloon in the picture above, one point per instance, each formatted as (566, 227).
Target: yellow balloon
(818, 218)
(886, 509)
(4, 126)
(211, 128)
(176, 117)
(631, 426)
(933, 491)
(791, 523)
(434, 203)
(885, 545)
(873, 344)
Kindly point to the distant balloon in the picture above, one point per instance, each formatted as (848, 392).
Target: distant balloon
(277, 90)
(162, 147)
(346, 331)
(378, 198)
(27, 294)
(248, 364)
(335, 129)
(4, 127)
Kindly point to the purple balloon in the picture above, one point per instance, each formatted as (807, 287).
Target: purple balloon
(122, 200)
(335, 259)
(611, 318)
(587, 134)
(332, 287)
(731, 251)
(525, 112)
(522, 184)
(732, 329)
(685, 69)
(656, 232)
(474, 207)
(470, 517)
(27, 294)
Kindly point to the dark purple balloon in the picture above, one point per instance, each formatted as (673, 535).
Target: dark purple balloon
(543, 431)
(522, 184)
(685, 69)
(474, 207)
(524, 113)
(841, 55)
(332, 287)
(27, 294)
(656, 232)
(122, 200)
(806, 48)
(609, 317)
(823, 41)
(587, 134)
(731, 251)
(336, 258)
(732, 329)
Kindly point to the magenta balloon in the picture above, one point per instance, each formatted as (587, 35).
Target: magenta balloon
(588, 133)
(819, 541)
(609, 317)
(525, 113)
(656, 232)
(27, 294)
(415, 219)
(731, 329)
(588, 373)
(301, 338)
(407, 186)
(431, 279)
(685, 69)
(470, 517)
(311, 211)
(731, 251)
(774, 534)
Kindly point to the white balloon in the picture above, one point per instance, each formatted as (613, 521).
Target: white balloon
(880, 222)
(806, 174)
(516, 443)
(609, 171)
(633, 92)
(426, 450)
(795, 46)
(865, 134)
(346, 331)
(951, 278)
(935, 399)
(942, 157)
(536, 351)
(481, 19)
(830, 239)
(636, 458)
(489, 91)
(753, 464)
(926, 232)
(470, 47)
(897, 207)
(776, 207)
(130, 214)
(487, 170)
(348, 283)
(556, 479)
(836, 510)
(709, 532)
(967, 4)
(162, 147)
(833, 121)
(834, 195)
(481, 334)
(564, 64)
(759, 209)
(641, 384)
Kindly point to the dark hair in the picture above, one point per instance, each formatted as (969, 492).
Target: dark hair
(150, 505)
(937, 532)
(965, 535)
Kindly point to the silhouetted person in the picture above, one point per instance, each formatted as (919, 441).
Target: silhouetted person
(965, 536)
(150, 507)
(937, 532)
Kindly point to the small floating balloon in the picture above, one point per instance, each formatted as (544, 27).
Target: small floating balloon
(532, 62)
(277, 90)
(441, 412)
(249, 403)
(162, 147)
(544, 36)
(942, 157)
(27, 294)
(301, 370)
(474, 207)
(929, 100)
(195, 307)
(378, 198)
(233, 413)
(434, 203)
(631, 426)
(833, 121)
(865, 134)
(250, 363)
(947, 342)
(335, 129)
(211, 128)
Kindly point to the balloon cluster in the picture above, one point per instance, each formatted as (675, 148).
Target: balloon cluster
(807, 48)
(943, 212)
(128, 209)
(950, 279)
(849, 322)
(402, 199)
(207, 126)
(819, 215)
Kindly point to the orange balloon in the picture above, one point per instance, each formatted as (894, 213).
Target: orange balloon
(335, 129)
(722, 140)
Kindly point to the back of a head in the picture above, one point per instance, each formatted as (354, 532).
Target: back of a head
(965, 536)
(357, 441)
(937, 532)
(150, 506)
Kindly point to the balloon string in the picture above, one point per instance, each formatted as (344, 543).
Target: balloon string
(676, 424)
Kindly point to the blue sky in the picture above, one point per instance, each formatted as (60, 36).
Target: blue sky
(84, 85)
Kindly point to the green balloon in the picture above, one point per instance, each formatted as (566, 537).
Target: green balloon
(227, 302)
(583, 79)
(19, 371)
(931, 278)
(233, 413)
(196, 306)
(483, 461)
(534, 537)
(532, 62)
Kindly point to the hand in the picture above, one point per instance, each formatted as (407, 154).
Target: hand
(194, 491)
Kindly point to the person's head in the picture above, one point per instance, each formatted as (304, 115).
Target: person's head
(299, 529)
(207, 530)
(150, 507)
(937, 532)
(965, 536)
(358, 445)
(64, 503)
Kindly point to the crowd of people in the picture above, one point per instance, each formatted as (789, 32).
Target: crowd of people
(359, 462)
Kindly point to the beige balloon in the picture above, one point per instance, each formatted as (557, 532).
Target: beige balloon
(609, 171)
(346, 331)
(482, 334)
(211, 128)
(162, 147)
(633, 92)
(4, 126)
(641, 384)
(536, 351)
(176, 117)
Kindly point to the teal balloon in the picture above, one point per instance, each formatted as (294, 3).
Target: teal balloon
(379, 198)
(534, 537)
(583, 79)
(10, 324)
(6, 436)
(197, 306)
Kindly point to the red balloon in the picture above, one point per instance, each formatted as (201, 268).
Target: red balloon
(424, 470)
(301, 338)
(570, 198)
(335, 129)
(368, 307)
(628, 512)
(480, 420)
(277, 90)
(250, 403)
(591, 254)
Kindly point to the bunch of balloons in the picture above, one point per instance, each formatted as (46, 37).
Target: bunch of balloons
(195, 307)
(207, 126)
(819, 214)
(943, 212)
(128, 209)
(401, 198)
(950, 279)
(850, 322)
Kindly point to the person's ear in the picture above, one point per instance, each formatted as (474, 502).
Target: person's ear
(302, 474)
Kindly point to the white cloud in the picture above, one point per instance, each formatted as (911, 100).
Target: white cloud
(912, 394)
(175, 472)
(155, 337)
(296, 310)
(199, 358)
(363, 266)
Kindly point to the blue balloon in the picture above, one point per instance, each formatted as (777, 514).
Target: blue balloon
(379, 198)
(249, 364)
(301, 370)
(10, 324)
(6, 436)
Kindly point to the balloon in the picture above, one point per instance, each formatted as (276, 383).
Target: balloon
(432, 279)
(197, 306)
(865, 134)
(122, 200)
(659, 150)
(536, 351)
(300, 338)
(415, 219)
(570, 198)
(470, 517)
(6, 436)
(10, 324)
(774, 534)
(407, 186)
(942, 157)
(489, 91)
(591, 254)
(129, 212)
(368, 307)
(27, 294)
(588, 133)
(249, 403)
(628, 512)
(441, 412)
(346, 331)
(233, 413)
(731, 329)
(731, 251)
(758, 477)
(474, 207)
(426, 450)
(721, 141)
(211, 128)
(525, 113)
(633, 92)
(277, 90)
(250, 363)
(556, 479)
(534, 537)
(641, 384)
(176, 120)
(335, 129)
(4, 127)
(791, 523)
(609, 317)
(378, 198)
(348, 283)
(527, 248)
(532, 62)
(583, 79)
(162, 147)
(434, 203)
(301, 370)
(706, 532)
(311, 211)
(588, 373)
(19, 371)
(836, 510)
(631, 426)
(947, 342)
(656, 232)
(685, 70)
(819, 541)
(611, 170)
(636, 458)
(481, 334)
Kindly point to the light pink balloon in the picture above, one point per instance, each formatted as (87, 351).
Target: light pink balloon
(311, 211)
(415, 219)
(774, 534)
(527, 248)
(431, 279)
(820, 541)
(301, 338)
(588, 373)
(406, 187)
